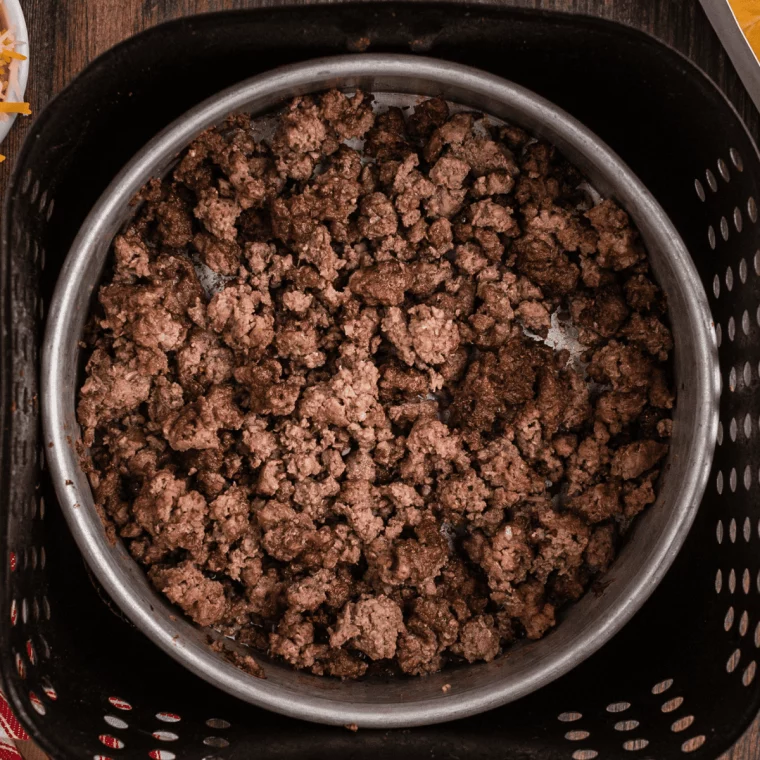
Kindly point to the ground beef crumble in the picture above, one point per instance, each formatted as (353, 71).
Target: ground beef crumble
(362, 449)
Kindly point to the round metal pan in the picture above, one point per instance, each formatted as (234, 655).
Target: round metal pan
(586, 625)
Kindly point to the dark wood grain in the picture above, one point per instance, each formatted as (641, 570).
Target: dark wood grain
(65, 35)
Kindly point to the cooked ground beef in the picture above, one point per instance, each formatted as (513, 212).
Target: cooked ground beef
(359, 447)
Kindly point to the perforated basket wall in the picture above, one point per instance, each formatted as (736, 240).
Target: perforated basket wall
(681, 678)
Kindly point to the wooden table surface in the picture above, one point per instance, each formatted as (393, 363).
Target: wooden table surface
(65, 35)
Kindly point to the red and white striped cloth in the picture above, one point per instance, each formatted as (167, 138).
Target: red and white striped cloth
(10, 732)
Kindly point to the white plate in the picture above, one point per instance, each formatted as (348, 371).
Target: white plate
(738, 48)
(12, 17)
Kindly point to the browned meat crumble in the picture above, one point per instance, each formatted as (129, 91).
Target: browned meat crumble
(360, 449)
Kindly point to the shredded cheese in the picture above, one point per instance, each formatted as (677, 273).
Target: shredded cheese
(9, 59)
(9, 84)
(8, 106)
(747, 13)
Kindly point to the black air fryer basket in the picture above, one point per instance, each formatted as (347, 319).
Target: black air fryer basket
(679, 680)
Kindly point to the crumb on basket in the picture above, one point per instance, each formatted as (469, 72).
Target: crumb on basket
(351, 727)
(446, 688)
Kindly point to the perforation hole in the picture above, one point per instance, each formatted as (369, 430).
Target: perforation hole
(48, 689)
(732, 524)
(101, 757)
(219, 742)
(111, 741)
(626, 725)
(732, 383)
(747, 426)
(732, 479)
(757, 636)
(20, 667)
(745, 328)
(46, 607)
(731, 328)
(221, 723)
(729, 271)
(720, 433)
(711, 181)
(24, 611)
(718, 581)
(736, 159)
(672, 704)
(732, 581)
(115, 722)
(36, 703)
(618, 707)
(728, 621)
(43, 558)
(585, 754)
(119, 704)
(723, 170)
(733, 660)
(738, 222)
(165, 736)
(168, 717)
(724, 230)
(719, 482)
(682, 723)
(14, 612)
(662, 686)
(743, 271)
(748, 676)
(161, 754)
(744, 623)
(45, 646)
(716, 286)
(30, 652)
(569, 717)
(746, 580)
(752, 209)
(732, 428)
(711, 239)
(718, 334)
(632, 745)
(747, 527)
(700, 190)
(693, 744)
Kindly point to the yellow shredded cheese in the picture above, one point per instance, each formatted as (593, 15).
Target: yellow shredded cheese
(747, 13)
(9, 89)
(8, 106)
